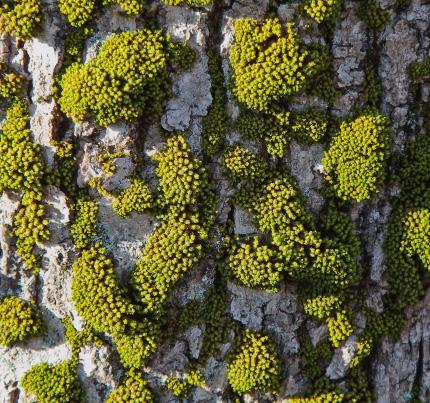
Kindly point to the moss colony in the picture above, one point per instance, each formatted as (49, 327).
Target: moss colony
(231, 262)
(126, 79)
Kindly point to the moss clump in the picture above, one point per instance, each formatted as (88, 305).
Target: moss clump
(356, 158)
(21, 164)
(255, 265)
(419, 70)
(416, 236)
(84, 226)
(172, 250)
(329, 397)
(126, 79)
(96, 293)
(11, 84)
(136, 346)
(372, 86)
(268, 63)
(18, 321)
(30, 228)
(137, 197)
(310, 126)
(254, 365)
(20, 18)
(78, 339)
(77, 12)
(240, 164)
(64, 174)
(373, 15)
(217, 122)
(181, 176)
(54, 383)
(269, 129)
(107, 161)
(322, 10)
(133, 389)
(182, 387)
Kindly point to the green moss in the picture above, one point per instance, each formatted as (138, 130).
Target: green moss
(373, 15)
(30, 228)
(106, 161)
(322, 10)
(136, 346)
(182, 387)
(329, 397)
(171, 251)
(54, 383)
(195, 3)
(416, 236)
(419, 70)
(255, 265)
(78, 339)
(181, 176)
(133, 389)
(127, 78)
(131, 7)
(310, 126)
(355, 161)
(137, 197)
(96, 294)
(268, 63)
(20, 18)
(339, 327)
(372, 86)
(254, 364)
(21, 164)
(63, 175)
(216, 123)
(240, 164)
(84, 226)
(11, 84)
(18, 321)
(77, 12)
(266, 128)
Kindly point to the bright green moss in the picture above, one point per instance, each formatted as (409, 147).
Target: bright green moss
(339, 327)
(11, 84)
(416, 236)
(356, 158)
(131, 7)
(240, 164)
(310, 126)
(21, 164)
(268, 63)
(322, 306)
(133, 389)
(181, 176)
(78, 339)
(77, 12)
(373, 15)
(171, 251)
(107, 161)
(182, 387)
(255, 265)
(20, 18)
(254, 364)
(84, 226)
(136, 346)
(322, 10)
(54, 383)
(137, 197)
(30, 228)
(216, 123)
(18, 320)
(126, 79)
(96, 294)
(266, 128)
